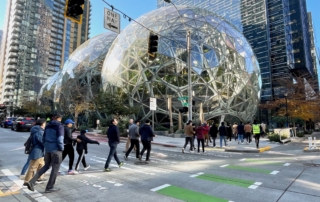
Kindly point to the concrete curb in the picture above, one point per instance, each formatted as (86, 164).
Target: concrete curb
(311, 150)
(260, 150)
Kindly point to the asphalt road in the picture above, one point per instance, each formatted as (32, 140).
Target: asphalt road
(284, 174)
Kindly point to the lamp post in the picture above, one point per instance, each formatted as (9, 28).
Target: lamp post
(286, 97)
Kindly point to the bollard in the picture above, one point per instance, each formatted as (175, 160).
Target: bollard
(315, 143)
(310, 142)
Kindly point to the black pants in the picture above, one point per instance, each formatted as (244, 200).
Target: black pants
(189, 139)
(257, 138)
(146, 146)
(229, 137)
(53, 159)
(68, 150)
(112, 153)
(134, 143)
(81, 158)
(235, 137)
(248, 137)
(202, 142)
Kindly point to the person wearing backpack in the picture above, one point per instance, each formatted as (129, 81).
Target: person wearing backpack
(82, 149)
(53, 144)
(36, 149)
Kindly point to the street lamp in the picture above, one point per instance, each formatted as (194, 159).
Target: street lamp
(286, 97)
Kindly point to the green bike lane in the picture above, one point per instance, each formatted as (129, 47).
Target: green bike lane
(251, 179)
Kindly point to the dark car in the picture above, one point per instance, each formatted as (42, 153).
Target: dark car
(23, 123)
(8, 122)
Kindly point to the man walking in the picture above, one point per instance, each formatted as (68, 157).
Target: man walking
(134, 138)
(188, 131)
(147, 135)
(68, 141)
(223, 133)
(113, 141)
(213, 133)
(247, 130)
(128, 138)
(53, 143)
(240, 131)
(256, 129)
(235, 131)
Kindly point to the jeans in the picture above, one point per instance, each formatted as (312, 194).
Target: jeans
(81, 158)
(26, 166)
(202, 142)
(136, 144)
(53, 159)
(68, 150)
(112, 152)
(240, 137)
(257, 137)
(214, 141)
(146, 146)
(189, 139)
(224, 139)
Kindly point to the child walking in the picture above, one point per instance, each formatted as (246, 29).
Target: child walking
(82, 149)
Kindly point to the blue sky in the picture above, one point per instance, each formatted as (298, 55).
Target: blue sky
(135, 8)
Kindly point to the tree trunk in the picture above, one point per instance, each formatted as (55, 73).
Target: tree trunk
(76, 114)
(305, 125)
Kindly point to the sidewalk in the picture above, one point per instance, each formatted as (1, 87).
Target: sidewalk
(233, 146)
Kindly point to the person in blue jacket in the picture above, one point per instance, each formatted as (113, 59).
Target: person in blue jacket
(147, 135)
(37, 153)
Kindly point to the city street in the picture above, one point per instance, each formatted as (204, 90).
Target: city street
(285, 174)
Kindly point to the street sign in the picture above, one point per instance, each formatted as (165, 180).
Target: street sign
(111, 20)
(185, 104)
(153, 103)
(183, 98)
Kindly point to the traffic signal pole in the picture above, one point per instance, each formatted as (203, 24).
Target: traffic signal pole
(189, 75)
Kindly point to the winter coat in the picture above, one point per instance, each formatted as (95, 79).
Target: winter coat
(134, 132)
(113, 134)
(223, 131)
(53, 137)
(201, 131)
(213, 131)
(188, 130)
(84, 141)
(146, 133)
(229, 131)
(38, 147)
(241, 129)
(68, 135)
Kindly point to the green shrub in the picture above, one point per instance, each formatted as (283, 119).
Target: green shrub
(104, 130)
(300, 134)
(274, 137)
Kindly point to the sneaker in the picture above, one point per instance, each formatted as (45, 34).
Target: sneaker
(107, 170)
(140, 157)
(182, 150)
(121, 164)
(25, 184)
(70, 172)
(147, 161)
(86, 168)
(125, 157)
(191, 151)
(40, 181)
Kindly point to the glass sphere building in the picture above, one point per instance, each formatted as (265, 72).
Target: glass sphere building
(225, 73)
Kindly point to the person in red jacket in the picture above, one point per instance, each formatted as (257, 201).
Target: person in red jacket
(201, 131)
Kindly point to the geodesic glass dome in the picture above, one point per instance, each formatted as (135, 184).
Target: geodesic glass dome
(225, 73)
(83, 68)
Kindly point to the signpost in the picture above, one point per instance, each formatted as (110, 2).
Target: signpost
(111, 20)
(153, 107)
(183, 98)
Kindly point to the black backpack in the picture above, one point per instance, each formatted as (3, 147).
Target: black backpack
(28, 145)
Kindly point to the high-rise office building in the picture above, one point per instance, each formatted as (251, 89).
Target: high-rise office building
(277, 30)
(37, 40)
(1, 33)
(314, 56)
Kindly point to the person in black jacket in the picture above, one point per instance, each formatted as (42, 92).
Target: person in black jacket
(229, 131)
(82, 148)
(213, 132)
(223, 133)
(68, 142)
(147, 135)
(113, 140)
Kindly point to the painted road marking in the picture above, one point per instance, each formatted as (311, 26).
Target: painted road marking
(243, 159)
(263, 161)
(249, 169)
(36, 195)
(287, 164)
(228, 180)
(186, 194)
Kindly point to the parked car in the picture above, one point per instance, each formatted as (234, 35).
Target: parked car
(8, 122)
(23, 123)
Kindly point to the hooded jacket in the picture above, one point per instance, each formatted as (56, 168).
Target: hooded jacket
(38, 147)
(84, 141)
(113, 134)
(53, 137)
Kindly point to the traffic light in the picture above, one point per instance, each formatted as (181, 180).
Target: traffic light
(153, 44)
(74, 10)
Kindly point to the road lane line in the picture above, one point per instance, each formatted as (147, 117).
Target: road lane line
(287, 164)
(274, 172)
(224, 166)
(160, 187)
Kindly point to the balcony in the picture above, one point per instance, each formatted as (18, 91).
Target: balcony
(18, 12)
(8, 93)
(17, 18)
(14, 42)
(12, 61)
(16, 24)
(11, 74)
(15, 36)
(11, 67)
(10, 81)
(12, 55)
(8, 87)
(16, 30)
(6, 100)
(14, 48)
